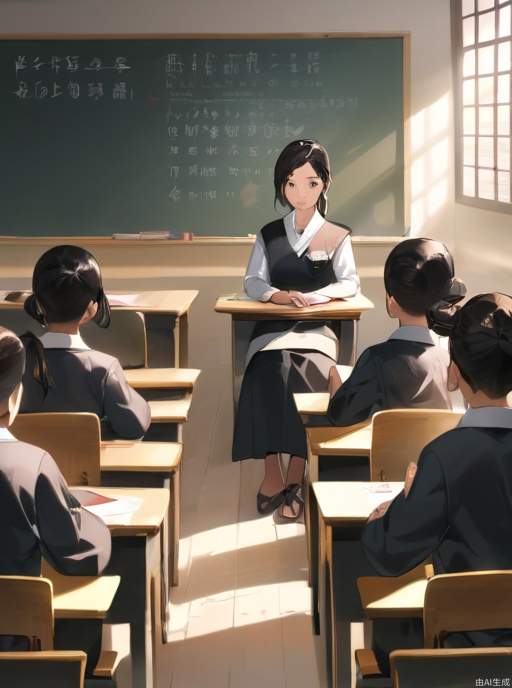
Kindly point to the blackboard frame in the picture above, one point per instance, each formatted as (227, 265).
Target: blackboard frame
(405, 36)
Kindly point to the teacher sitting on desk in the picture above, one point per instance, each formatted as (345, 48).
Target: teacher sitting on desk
(296, 261)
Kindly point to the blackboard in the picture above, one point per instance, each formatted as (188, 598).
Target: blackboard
(126, 135)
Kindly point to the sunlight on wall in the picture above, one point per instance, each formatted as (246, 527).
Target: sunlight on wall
(429, 164)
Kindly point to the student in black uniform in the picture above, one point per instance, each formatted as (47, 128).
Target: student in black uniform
(63, 373)
(297, 260)
(410, 368)
(457, 504)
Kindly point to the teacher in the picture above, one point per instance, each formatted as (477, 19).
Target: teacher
(296, 261)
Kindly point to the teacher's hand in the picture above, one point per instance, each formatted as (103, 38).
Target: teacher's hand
(289, 298)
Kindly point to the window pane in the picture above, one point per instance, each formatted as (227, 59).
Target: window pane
(486, 60)
(504, 187)
(486, 27)
(469, 150)
(468, 31)
(468, 182)
(504, 57)
(504, 153)
(468, 7)
(469, 120)
(505, 21)
(468, 68)
(486, 90)
(485, 5)
(486, 184)
(486, 124)
(486, 152)
(503, 120)
(504, 88)
(468, 92)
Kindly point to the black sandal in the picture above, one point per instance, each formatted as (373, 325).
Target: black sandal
(266, 504)
(292, 497)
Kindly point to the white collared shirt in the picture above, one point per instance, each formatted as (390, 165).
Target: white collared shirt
(5, 436)
(415, 333)
(60, 340)
(487, 417)
(256, 281)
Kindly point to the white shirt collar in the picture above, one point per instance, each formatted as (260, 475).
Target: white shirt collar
(487, 417)
(414, 333)
(5, 436)
(300, 242)
(59, 340)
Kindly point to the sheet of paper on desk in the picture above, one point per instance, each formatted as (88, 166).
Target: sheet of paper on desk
(313, 298)
(118, 508)
(237, 297)
(123, 299)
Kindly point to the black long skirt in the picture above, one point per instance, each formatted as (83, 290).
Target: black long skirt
(267, 420)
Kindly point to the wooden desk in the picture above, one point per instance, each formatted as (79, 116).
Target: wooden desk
(384, 597)
(342, 314)
(167, 418)
(353, 440)
(148, 464)
(137, 542)
(162, 378)
(342, 510)
(166, 317)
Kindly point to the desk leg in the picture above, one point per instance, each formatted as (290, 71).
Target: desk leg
(137, 560)
(161, 340)
(181, 341)
(348, 339)
(324, 658)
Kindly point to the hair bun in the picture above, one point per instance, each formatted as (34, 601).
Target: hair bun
(443, 317)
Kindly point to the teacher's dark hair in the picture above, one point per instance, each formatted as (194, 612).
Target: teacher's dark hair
(293, 156)
(480, 335)
(419, 273)
(12, 365)
(65, 280)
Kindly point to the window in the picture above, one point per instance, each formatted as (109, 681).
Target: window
(482, 33)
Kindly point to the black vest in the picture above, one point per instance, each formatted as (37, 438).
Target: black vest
(287, 270)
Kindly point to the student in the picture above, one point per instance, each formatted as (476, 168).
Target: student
(38, 513)
(409, 369)
(457, 504)
(63, 373)
(293, 259)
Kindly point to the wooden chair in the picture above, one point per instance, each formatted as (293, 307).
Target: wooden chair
(449, 668)
(27, 610)
(72, 439)
(50, 669)
(399, 435)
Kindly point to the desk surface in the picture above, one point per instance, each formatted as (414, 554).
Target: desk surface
(393, 597)
(354, 440)
(351, 502)
(81, 597)
(176, 302)
(136, 456)
(162, 378)
(170, 411)
(146, 520)
(312, 403)
(346, 309)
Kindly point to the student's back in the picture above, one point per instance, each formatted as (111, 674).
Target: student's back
(62, 373)
(409, 370)
(81, 379)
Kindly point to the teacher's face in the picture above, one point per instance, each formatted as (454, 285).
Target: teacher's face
(303, 187)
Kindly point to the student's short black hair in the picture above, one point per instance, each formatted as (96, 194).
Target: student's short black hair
(420, 272)
(293, 156)
(480, 340)
(65, 280)
(12, 364)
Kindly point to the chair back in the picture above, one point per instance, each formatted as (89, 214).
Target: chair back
(72, 439)
(57, 669)
(125, 338)
(26, 604)
(469, 601)
(449, 668)
(399, 435)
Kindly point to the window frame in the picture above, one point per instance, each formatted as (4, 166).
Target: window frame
(458, 79)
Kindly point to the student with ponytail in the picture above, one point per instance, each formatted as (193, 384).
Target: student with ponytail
(457, 504)
(62, 372)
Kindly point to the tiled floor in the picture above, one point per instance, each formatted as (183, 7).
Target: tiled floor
(240, 616)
